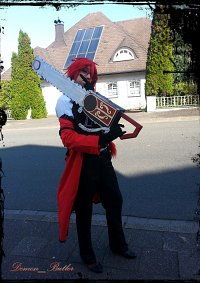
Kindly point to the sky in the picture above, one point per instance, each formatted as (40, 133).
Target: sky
(38, 22)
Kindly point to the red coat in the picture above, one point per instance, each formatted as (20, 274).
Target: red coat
(77, 144)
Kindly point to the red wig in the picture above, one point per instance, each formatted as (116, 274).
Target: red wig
(78, 65)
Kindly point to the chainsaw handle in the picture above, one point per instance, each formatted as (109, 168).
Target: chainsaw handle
(138, 127)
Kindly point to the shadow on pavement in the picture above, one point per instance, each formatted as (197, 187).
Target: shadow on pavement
(32, 175)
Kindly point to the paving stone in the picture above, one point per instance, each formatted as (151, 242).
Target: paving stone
(162, 255)
(189, 265)
(29, 246)
(154, 263)
(179, 242)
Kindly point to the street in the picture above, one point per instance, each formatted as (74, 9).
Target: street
(157, 176)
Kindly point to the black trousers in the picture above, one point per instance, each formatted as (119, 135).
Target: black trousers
(98, 175)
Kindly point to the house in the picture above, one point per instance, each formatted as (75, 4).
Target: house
(118, 48)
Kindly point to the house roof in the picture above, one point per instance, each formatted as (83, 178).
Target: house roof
(6, 75)
(133, 33)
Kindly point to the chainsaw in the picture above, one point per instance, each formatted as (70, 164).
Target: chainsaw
(97, 107)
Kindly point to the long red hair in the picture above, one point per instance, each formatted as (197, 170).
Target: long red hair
(78, 65)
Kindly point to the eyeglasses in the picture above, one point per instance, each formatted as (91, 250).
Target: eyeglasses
(85, 71)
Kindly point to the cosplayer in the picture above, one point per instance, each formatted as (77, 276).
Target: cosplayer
(89, 176)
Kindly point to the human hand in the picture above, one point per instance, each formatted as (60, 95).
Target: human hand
(114, 133)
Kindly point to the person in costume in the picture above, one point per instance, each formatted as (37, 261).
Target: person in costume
(89, 176)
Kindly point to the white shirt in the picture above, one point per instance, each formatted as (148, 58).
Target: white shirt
(64, 106)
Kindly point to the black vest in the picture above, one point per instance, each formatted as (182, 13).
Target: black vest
(84, 120)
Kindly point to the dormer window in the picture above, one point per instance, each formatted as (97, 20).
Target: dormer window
(123, 54)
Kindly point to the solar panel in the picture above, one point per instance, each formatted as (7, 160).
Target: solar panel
(85, 44)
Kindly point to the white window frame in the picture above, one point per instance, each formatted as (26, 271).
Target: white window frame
(134, 88)
(123, 54)
(112, 89)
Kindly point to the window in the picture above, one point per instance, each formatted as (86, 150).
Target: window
(134, 88)
(123, 55)
(85, 44)
(112, 89)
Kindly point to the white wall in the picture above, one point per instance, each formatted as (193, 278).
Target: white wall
(51, 94)
(123, 100)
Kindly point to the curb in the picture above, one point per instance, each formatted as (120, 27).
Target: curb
(129, 222)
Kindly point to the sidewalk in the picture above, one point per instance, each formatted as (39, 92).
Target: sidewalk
(165, 115)
(160, 115)
(167, 250)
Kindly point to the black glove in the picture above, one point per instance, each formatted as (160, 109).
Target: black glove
(88, 85)
(114, 133)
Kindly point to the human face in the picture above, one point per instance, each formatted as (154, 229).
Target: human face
(84, 72)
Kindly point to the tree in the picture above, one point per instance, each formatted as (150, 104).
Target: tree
(185, 23)
(159, 70)
(5, 95)
(25, 84)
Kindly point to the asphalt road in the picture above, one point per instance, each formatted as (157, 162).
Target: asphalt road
(157, 176)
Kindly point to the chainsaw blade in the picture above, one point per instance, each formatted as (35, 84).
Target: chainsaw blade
(59, 80)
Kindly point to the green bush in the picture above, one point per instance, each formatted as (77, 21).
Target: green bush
(185, 88)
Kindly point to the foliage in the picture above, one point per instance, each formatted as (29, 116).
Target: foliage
(25, 84)
(159, 70)
(5, 90)
(185, 88)
(185, 24)
(182, 60)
